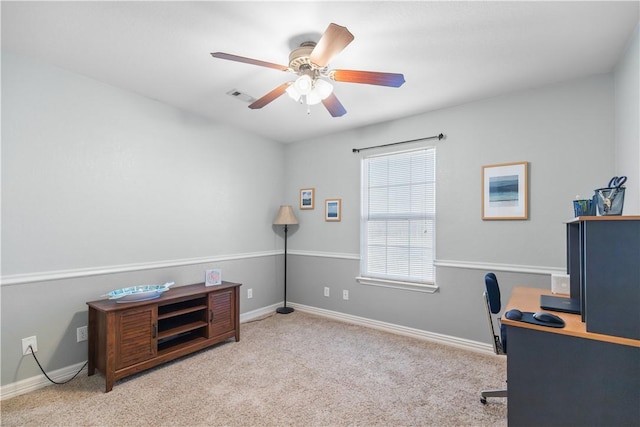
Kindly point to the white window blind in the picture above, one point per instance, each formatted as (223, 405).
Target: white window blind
(398, 216)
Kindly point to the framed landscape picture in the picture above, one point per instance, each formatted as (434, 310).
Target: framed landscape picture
(504, 191)
(332, 209)
(307, 196)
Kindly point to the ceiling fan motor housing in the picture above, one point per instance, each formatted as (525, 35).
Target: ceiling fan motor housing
(300, 63)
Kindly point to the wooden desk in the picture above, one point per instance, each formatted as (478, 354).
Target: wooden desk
(568, 376)
(528, 299)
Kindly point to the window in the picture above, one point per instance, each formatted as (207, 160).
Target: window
(398, 217)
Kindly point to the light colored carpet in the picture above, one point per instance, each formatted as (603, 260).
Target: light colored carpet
(286, 370)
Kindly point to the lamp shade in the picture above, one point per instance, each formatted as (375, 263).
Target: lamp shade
(285, 216)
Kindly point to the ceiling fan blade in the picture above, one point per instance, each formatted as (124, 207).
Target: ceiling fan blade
(237, 58)
(334, 106)
(259, 103)
(332, 42)
(367, 77)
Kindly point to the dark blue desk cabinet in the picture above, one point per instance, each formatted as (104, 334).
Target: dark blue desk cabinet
(603, 260)
(569, 376)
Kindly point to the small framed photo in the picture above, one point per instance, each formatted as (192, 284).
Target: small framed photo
(504, 191)
(332, 209)
(213, 277)
(307, 197)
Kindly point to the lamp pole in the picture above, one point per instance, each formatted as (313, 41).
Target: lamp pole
(285, 309)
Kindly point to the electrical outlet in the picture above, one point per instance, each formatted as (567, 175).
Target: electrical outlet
(29, 341)
(82, 334)
(249, 293)
(326, 291)
(345, 294)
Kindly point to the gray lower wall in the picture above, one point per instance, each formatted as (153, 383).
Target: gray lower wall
(53, 310)
(456, 309)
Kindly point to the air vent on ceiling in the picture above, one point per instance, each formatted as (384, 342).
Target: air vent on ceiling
(241, 96)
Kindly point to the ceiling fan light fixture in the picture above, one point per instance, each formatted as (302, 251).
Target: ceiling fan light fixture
(323, 88)
(293, 93)
(313, 98)
(303, 84)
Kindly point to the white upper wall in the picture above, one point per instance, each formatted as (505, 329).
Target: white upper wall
(627, 125)
(563, 131)
(96, 176)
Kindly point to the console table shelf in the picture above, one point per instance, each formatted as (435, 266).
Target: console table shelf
(180, 312)
(127, 338)
(181, 329)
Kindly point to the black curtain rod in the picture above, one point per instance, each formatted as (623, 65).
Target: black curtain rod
(357, 150)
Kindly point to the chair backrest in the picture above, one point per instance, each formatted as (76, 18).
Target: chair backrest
(493, 292)
(493, 305)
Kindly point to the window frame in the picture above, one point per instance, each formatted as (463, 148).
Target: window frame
(394, 281)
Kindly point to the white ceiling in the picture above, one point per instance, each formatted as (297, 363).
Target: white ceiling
(449, 52)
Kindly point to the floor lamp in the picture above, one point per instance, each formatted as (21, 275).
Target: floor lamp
(285, 217)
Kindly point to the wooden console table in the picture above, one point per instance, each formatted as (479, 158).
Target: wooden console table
(126, 338)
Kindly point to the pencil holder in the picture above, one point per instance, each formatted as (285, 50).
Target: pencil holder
(583, 208)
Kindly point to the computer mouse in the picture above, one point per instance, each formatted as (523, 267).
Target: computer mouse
(513, 314)
(545, 317)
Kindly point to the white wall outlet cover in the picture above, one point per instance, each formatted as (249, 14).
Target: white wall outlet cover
(560, 284)
(29, 341)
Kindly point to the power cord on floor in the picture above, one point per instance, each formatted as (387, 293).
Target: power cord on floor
(45, 374)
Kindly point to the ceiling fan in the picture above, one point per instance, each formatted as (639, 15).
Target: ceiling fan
(310, 63)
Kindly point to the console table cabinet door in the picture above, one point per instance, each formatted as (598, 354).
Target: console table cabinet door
(136, 336)
(222, 312)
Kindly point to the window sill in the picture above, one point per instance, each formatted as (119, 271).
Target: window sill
(395, 284)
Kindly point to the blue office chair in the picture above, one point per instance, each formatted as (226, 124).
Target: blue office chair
(492, 301)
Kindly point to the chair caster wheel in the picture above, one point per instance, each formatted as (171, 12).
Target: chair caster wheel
(483, 400)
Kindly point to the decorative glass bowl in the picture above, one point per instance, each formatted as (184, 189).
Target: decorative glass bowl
(138, 293)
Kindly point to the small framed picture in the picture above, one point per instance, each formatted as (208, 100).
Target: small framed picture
(213, 277)
(307, 196)
(332, 209)
(504, 191)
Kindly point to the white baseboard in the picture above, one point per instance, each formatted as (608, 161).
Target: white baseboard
(40, 381)
(398, 329)
(255, 314)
